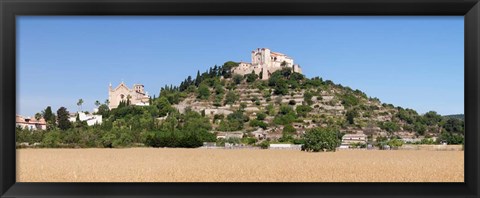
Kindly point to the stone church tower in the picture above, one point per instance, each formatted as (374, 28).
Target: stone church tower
(137, 95)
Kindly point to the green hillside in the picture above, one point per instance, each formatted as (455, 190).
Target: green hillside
(288, 104)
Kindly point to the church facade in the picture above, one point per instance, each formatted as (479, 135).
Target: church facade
(265, 62)
(137, 95)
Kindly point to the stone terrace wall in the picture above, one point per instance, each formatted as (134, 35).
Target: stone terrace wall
(432, 147)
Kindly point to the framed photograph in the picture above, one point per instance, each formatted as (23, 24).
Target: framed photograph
(239, 98)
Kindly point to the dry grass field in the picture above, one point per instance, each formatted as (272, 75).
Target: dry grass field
(219, 165)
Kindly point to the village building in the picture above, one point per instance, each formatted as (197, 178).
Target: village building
(265, 62)
(349, 139)
(30, 123)
(136, 95)
(89, 118)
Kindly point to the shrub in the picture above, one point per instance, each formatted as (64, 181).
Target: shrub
(251, 77)
(237, 78)
(265, 145)
(303, 110)
(395, 143)
(258, 123)
(289, 129)
(107, 139)
(292, 102)
(52, 139)
(261, 116)
(249, 140)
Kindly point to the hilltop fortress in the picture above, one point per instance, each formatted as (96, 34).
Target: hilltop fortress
(265, 62)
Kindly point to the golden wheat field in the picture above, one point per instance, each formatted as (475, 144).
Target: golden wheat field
(221, 165)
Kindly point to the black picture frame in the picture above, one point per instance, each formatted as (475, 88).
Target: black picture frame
(9, 9)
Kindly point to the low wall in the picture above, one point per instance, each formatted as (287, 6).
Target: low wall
(432, 147)
(286, 146)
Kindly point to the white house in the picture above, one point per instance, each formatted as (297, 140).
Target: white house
(89, 118)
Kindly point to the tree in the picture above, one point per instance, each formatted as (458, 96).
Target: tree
(49, 117)
(97, 103)
(226, 70)
(320, 139)
(47, 113)
(307, 96)
(79, 104)
(63, 122)
(38, 116)
(451, 138)
(390, 126)
(231, 97)
(281, 87)
(431, 118)
(420, 128)
(128, 100)
(163, 106)
(251, 77)
(258, 123)
(237, 78)
(303, 110)
(203, 92)
(349, 100)
(454, 125)
(198, 78)
(351, 115)
(103, 110)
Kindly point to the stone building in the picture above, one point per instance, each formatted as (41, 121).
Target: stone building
(265, 62)
(137, 95)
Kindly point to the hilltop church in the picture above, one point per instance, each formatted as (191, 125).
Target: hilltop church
(137, 95)
(265, 62)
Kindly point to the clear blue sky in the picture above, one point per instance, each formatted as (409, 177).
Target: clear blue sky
(413, 62)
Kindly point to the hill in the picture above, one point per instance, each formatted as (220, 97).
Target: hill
(220, 106)
(283, 107)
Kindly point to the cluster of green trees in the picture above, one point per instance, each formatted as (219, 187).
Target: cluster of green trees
(451, 129)
(283, 80)
(187, 130)
(124, 126)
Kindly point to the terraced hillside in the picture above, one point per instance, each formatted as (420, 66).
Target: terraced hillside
(285, 106)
